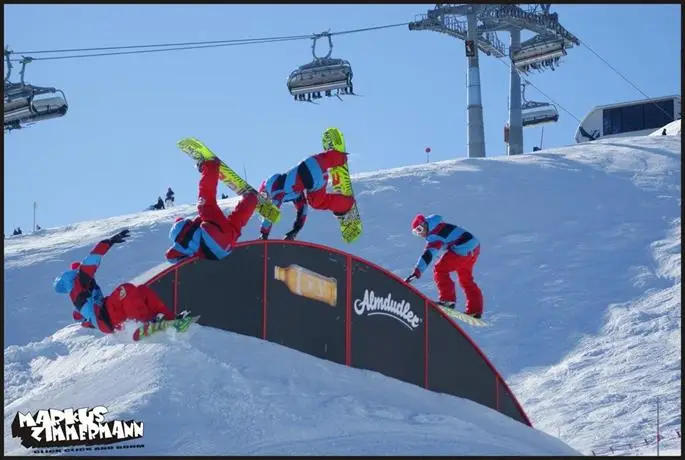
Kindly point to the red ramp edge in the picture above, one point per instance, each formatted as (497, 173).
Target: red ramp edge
(350, 257)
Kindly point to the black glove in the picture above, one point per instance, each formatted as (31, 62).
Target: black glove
(119, 237)
(291, 234)
(265, 236)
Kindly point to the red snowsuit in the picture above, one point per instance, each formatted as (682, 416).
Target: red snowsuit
(128, 301)
(463, 265)
(92, 309)
(211, 234)
(319, 199)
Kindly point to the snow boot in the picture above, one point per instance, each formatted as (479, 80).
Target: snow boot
(445, 303)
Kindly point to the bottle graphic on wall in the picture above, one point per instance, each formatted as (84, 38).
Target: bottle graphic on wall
(306, 283)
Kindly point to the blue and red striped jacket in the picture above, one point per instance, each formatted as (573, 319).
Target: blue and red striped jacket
(84, 292)
(445, 236)
(290, 187)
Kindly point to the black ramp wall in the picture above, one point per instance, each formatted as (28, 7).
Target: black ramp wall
(306, 300)
(228, 294)
(338, 307)
(455, 366)
(387, 325)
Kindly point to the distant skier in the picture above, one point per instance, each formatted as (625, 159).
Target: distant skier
(126, 302)
(461, 253)
(211, 234)
(305, 184)
(169, 201)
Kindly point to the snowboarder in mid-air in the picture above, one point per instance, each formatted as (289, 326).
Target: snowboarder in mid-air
(126, 302)
(211, 234)
(461, 253)
(305, 184)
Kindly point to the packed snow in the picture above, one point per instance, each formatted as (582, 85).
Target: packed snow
(580, 268)
(672, 129)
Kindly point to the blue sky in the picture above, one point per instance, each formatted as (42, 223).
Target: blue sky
(115, 151)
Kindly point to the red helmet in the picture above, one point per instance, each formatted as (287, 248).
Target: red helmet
(419, 221)
(75, 265)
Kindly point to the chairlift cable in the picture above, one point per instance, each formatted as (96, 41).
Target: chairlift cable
(367, 29)
(179, 48)
(117, 50)
(624, 77)
(161, 45)
(528, 82)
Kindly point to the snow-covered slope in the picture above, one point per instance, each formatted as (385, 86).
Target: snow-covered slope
(217, 393)
(672, 129)
(580, 267)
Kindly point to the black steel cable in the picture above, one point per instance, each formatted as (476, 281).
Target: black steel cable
(669, 115)
(96, 52)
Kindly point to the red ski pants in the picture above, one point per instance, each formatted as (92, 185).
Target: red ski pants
(140, 303)
(334, 202)
(463, 265)
(224, 230)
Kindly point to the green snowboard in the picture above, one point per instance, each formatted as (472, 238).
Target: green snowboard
(463, 317)
(196, 150)
(147, 329)
(350, 223)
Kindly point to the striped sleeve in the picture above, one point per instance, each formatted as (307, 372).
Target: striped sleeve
(302, 207)
(91, 263)
(433, 245)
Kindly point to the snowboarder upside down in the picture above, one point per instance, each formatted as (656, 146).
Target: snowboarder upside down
(126, 302)
(461, 253)
(305, 185)
(211, 234)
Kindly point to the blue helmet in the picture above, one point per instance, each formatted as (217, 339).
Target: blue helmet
(65, 283)
(267, 185)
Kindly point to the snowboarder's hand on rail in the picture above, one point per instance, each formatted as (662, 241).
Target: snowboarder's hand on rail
(413, 276)
(291, 234)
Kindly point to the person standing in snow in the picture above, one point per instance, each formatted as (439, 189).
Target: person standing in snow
(126, 302)
(461, 253)
(169, 198)
(305, 184)
(211, 234)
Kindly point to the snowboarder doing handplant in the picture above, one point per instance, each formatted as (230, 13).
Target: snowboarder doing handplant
(461, 253)
(305, 185)
(126, 302)
(211, 235)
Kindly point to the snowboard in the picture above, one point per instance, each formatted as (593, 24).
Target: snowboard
(147, 329)
(456, 314)
(350, 223)
(197, 150)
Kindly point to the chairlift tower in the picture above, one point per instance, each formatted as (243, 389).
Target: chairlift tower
(479, 32)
